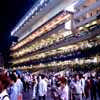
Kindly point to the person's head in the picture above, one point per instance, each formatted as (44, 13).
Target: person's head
(77, 77)
(19, 76)
(81, 75)
(63, 82)
(42, 76)
(13, 78)
(38, 78)
(4, 82)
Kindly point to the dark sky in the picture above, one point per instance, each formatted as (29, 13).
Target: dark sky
(11, 11)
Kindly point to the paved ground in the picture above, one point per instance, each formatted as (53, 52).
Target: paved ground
(28, 96)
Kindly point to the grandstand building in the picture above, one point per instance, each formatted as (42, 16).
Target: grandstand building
(50, 36)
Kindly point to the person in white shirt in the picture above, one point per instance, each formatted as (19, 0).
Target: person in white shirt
(19, 85)
(42, 88)
(64, 89)
(76, 88)
(4, 83)
(82, 79)
(34, 84)
(4, 95)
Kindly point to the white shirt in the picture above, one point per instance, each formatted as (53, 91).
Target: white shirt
(83, 84)
(34, 91)
(19, 85)
(42, 87)
(65, 93)
(4, 93)
(76, 87)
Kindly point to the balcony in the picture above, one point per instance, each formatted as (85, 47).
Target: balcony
(87, 20)
(87, 10)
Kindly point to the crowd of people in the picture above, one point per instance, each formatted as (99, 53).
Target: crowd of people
(11, 86)
(72, 86)
(78, 86)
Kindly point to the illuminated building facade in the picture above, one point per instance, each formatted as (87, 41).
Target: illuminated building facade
(59, 37)
(86, 14)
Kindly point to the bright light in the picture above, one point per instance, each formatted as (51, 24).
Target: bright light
(68, 25)
(87, 25)
(80, 28)
(67, 33)
(71, 7)
(94, 22)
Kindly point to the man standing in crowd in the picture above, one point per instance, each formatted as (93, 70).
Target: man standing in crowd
(34, 88)
(42, 88)
(93, 89)
(98, 87)
(76, 88)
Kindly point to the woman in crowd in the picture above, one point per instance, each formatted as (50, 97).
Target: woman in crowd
(4, 83)
(64, 89)
(13, 90)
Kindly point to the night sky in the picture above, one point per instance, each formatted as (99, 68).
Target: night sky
(11, 11)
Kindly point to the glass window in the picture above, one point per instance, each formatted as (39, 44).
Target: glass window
(98, 10)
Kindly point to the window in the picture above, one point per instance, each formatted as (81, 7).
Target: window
(98, 10)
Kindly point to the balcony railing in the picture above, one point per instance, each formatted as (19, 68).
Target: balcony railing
(86, 10)
(82, 13)
(87, 20)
